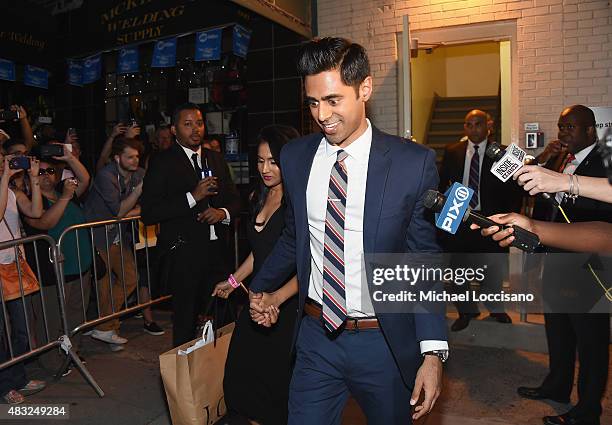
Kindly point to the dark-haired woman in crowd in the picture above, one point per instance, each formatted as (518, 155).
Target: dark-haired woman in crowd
(257, 371)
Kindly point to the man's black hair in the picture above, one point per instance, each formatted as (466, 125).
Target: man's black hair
(184, 107)
(326, 54)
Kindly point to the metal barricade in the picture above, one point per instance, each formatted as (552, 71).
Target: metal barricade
(23, 307)
(120, 258)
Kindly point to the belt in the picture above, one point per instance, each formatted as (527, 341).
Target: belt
(352, 323)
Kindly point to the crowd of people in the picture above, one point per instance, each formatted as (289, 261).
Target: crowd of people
(307, 339)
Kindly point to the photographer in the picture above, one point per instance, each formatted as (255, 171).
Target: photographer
(13, 382)
(18, 113)
(119, 130)
(60, 211)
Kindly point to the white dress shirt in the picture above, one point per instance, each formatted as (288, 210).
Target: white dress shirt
(471, 149)
(191, 199)
(570, 167)
(316, 204)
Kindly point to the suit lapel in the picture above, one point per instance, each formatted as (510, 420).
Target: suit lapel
(301, 205)
(186, 163)
(379, 165)
(459, 162)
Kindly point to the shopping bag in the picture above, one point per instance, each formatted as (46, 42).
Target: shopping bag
(194, 381)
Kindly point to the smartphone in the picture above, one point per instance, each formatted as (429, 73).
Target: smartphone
(133, 123)
(207, 172)
(48, 151)
(19, 163)
(9, 115)
(72, 131)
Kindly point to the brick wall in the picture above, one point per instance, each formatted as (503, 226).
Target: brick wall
(564, 48)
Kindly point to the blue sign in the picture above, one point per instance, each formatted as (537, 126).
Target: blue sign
(7, 70)
(75, 73)
(208, 45)
(164, 54)
(92, 69)
(36, 77)
(241, 40)
(128, 60)
(457, 202)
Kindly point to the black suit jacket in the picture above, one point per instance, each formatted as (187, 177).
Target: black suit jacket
(495, 197)
(584, 209)
(164, 197)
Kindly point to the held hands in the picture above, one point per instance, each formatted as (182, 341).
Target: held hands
(505, 237)
(428, 379)
(263, 308)
(535, 179)
(205, 187)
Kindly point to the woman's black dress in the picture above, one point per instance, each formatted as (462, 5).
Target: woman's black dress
(257, 371)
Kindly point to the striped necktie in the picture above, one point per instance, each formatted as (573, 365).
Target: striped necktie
(334, 299)
(474, 181)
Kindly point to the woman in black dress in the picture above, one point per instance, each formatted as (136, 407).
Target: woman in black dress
(257, 370)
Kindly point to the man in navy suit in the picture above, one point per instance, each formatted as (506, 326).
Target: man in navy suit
(350, 191)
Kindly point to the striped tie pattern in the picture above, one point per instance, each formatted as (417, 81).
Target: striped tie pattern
(474, 181)
(334, 298)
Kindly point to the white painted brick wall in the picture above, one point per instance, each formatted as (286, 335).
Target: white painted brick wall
(564, 57)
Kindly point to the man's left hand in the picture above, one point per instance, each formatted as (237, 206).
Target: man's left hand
(211, 216)
(428, 379)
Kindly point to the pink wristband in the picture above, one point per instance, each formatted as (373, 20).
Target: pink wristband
(232, 281)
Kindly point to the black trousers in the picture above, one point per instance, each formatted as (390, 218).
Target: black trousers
(589, 335)
(191, 271)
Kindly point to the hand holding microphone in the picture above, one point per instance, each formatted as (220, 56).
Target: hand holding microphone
(504, 232)
(536, 179)
(509, 162)
(454, 209)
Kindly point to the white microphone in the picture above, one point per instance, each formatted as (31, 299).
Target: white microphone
(509, 161)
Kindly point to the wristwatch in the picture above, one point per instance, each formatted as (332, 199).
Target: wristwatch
(441, 354)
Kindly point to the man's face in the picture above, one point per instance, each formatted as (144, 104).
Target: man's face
(128, 160)
(164, 139)
(336, 107)
(189, 129)
(572, 132)
(475, 127)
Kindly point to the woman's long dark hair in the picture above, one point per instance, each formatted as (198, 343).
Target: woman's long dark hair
(276, 136)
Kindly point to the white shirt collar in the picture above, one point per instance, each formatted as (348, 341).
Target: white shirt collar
(474, 145)
(190, 152)
(358, 150)
(581, 156)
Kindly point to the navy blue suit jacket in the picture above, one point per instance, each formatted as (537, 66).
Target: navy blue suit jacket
(399, 173)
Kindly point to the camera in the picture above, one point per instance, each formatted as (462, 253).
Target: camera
(9, 115)
(48, 151)
(19, 163)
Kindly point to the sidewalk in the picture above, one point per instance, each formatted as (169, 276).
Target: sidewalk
(480, 380)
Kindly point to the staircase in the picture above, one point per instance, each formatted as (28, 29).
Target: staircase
(447, 115)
